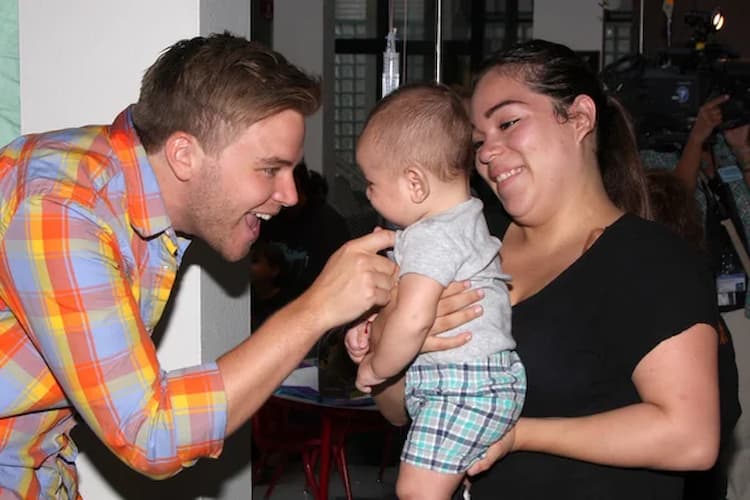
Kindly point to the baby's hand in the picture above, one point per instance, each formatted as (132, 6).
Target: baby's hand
(366, 378)
(357, 340)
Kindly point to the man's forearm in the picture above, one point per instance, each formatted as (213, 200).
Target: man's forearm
(255, 368)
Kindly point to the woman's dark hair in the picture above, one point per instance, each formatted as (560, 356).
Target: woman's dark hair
(556, 71)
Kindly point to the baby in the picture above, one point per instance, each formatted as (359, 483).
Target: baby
(415, 152)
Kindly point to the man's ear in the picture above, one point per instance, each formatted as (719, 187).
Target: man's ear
(418, 183)
(184, 155)
(582, 113)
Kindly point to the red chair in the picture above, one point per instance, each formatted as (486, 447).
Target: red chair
(280, 431)
(365, 422)
(277, 434)
(275, 438)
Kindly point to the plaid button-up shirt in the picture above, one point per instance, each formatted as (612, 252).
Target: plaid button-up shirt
(87, 261)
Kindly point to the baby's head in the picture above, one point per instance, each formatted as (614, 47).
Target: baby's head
(415, 143)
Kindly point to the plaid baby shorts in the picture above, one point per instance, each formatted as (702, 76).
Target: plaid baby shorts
(459, 409)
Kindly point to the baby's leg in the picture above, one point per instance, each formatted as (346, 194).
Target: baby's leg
(418, 483)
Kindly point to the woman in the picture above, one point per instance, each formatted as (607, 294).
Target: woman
(613, 315)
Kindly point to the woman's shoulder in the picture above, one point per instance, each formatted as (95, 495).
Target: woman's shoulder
(640, 234)
(652, 246)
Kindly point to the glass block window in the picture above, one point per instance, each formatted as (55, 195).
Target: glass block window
(619, 30)
(525, 31)
(499, 18)
(494, 36)
(415, 19)
(352, 19)
(618, 40)
(470, 29)
(353, 97)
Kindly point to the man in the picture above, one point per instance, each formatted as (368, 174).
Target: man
(93, 225)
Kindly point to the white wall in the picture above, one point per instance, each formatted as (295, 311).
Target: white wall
(81, 62)
(576, 23)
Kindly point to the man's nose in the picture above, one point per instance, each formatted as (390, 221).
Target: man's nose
(286, 192)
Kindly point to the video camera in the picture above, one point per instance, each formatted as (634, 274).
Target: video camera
(664, 95)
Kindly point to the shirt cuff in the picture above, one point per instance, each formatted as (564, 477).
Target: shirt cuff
(199, 405)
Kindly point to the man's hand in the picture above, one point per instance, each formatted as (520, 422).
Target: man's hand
(354, 280)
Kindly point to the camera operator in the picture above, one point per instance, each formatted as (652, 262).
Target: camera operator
(715, 165)
(709, 118)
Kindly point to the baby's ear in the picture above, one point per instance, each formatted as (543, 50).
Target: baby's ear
(418, 184)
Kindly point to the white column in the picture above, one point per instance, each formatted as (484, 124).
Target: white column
(81, 63)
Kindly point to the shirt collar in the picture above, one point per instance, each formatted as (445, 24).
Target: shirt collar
(146, 209)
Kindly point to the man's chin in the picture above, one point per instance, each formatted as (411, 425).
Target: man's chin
(236, 254)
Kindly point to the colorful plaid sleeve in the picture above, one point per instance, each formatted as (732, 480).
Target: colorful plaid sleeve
(64, 277)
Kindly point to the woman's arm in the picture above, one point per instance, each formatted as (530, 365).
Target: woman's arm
(676, 427)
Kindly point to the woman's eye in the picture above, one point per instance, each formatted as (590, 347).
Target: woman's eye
(508, 124)
(270, 172)
(476, 145)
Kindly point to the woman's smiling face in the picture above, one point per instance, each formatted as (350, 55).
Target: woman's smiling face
(522, 145)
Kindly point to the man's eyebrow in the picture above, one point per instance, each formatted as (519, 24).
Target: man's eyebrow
(275, 161)
(499, 105)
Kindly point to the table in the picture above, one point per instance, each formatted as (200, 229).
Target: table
(338, 417)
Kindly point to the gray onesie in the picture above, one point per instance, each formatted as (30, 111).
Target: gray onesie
(464, 399)
(454, 246)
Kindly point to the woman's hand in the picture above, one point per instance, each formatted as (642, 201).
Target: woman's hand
(456, 307)
(495, 452)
